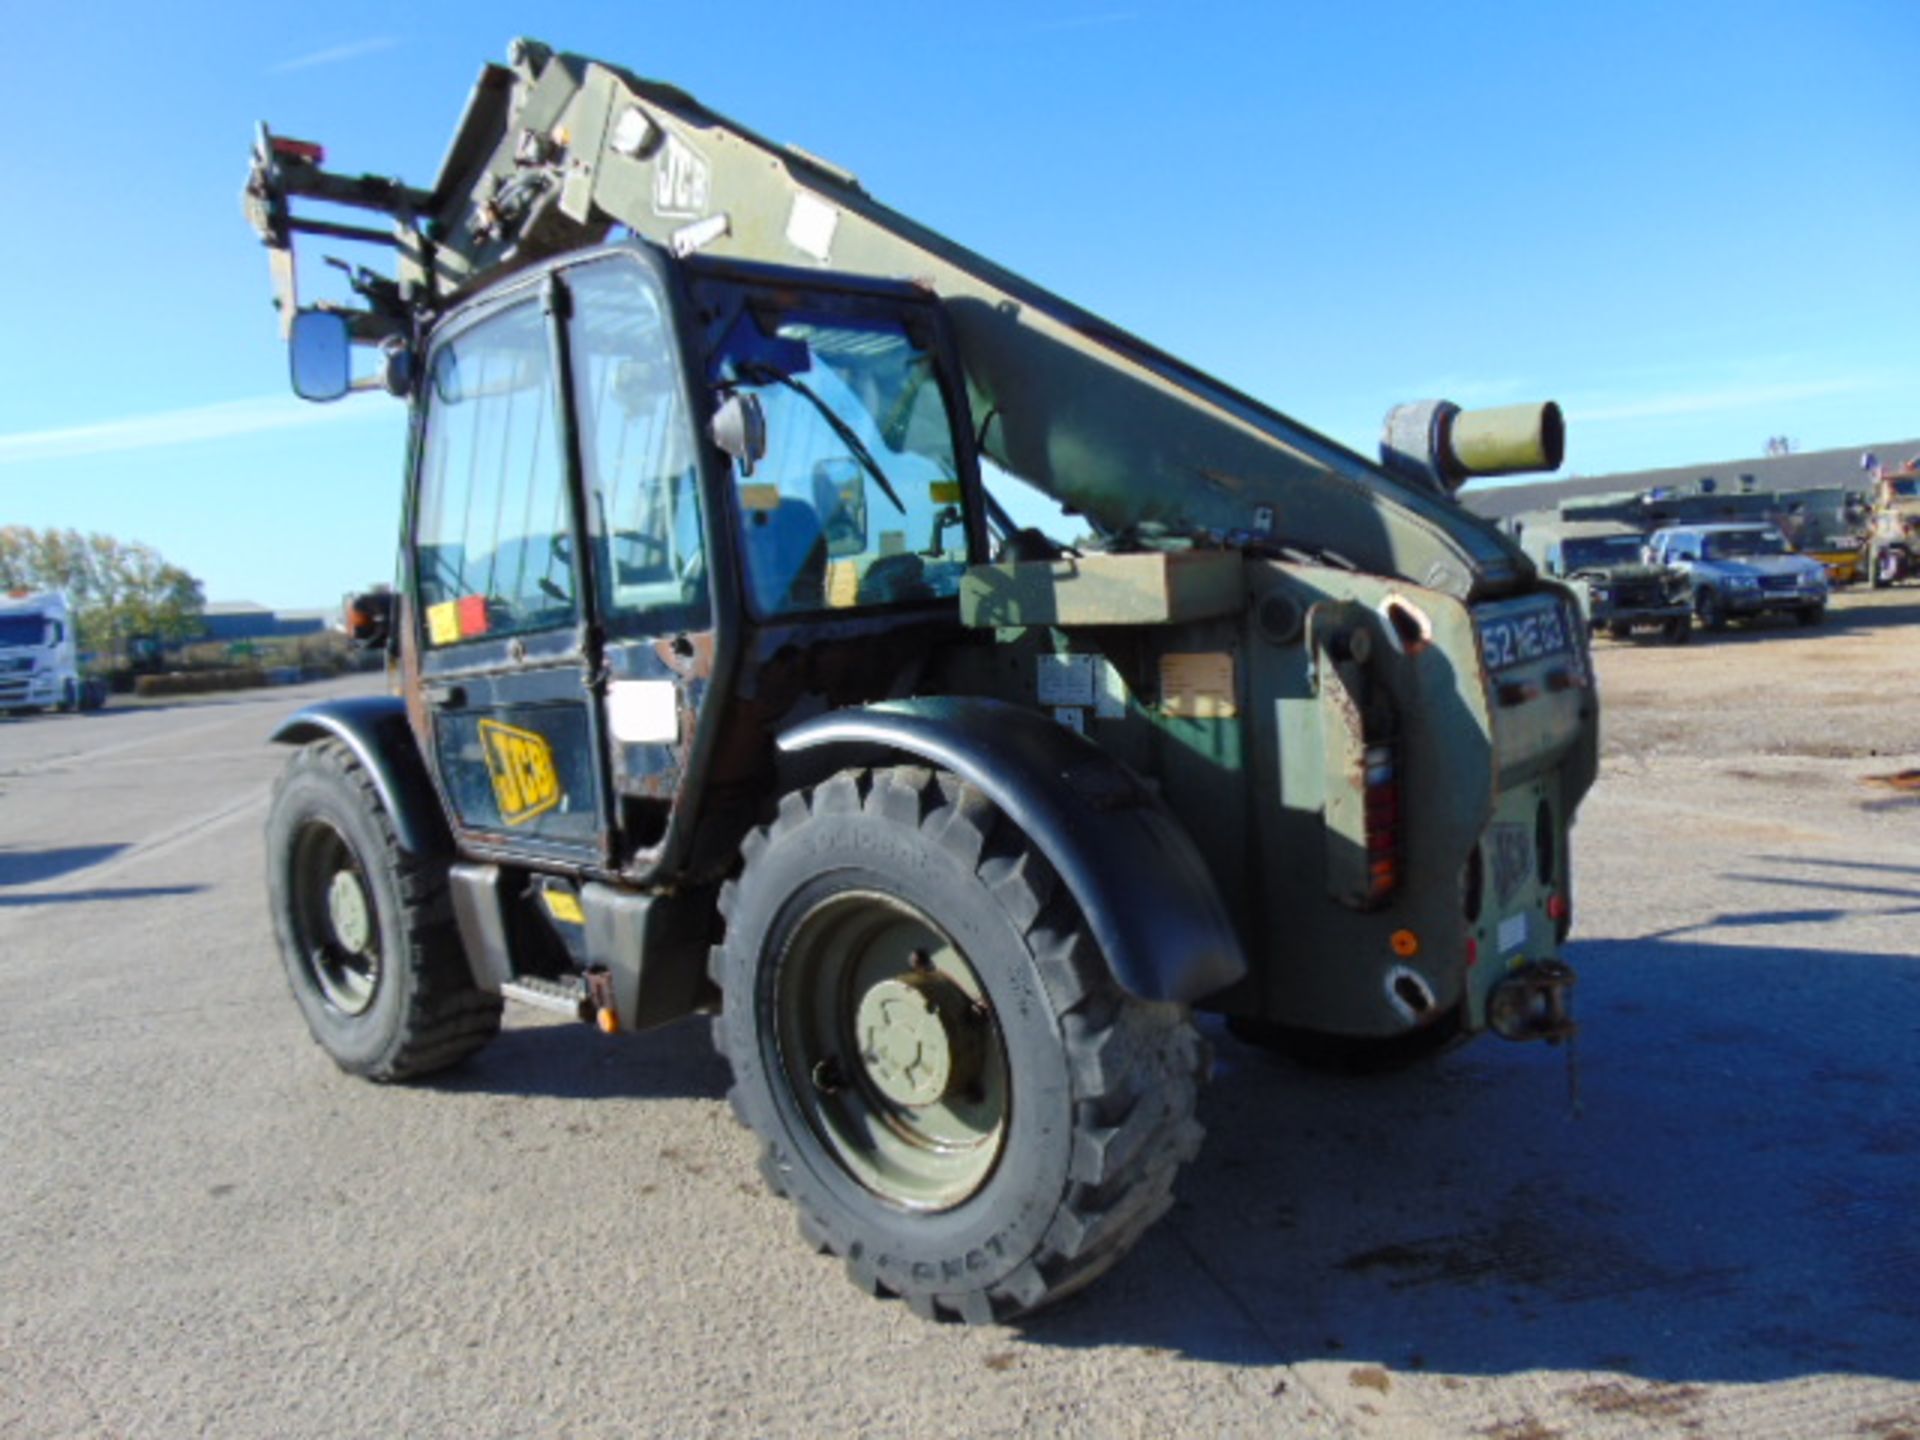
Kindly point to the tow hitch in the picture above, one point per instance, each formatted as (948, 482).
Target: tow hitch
(1533, 1003)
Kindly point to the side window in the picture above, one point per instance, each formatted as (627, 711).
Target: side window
(636, 452)
(492, 541)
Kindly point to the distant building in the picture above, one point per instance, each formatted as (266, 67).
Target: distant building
(1807, 470)
(230, 620)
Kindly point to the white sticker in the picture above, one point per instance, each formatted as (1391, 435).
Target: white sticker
(1065, 679)
(643, 712)
(1071, 716)
(1513, 932)
(1110, 700)
(810, 226)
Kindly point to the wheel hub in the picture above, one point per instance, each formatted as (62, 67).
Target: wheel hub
(916, 1039)
(348, 913)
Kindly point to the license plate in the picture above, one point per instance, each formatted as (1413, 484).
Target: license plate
(1524, 636)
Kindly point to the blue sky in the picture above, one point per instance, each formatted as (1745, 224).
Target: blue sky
(1694, 225)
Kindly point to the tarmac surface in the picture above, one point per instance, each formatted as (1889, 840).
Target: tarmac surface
(208, 1230)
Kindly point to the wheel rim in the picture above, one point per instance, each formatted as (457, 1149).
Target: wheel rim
(337, 928)
(891, 1050)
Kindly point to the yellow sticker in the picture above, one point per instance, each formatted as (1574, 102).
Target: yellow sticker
(443, 622)
(759, 497)
(944, 492)
(564, 907)
(521, 764)
(843, 584)
(1198, 687)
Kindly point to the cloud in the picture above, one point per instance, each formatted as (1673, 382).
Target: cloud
(1600, 410)
(179, 427)
(338, 53)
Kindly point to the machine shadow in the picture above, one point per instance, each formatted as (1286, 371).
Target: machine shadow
(20, 865)
(538, 1057)
(1732, 1201)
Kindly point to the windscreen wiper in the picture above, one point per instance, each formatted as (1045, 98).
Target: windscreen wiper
(767, 375)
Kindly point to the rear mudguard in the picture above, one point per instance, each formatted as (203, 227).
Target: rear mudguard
(375, 728)
(1138, 878)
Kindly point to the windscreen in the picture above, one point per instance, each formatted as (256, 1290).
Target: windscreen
(1601, 550)
(1732, 544)
(857, 501)
(23, 630)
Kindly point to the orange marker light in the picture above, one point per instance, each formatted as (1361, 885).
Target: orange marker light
(607, 1020)
(1405, 944)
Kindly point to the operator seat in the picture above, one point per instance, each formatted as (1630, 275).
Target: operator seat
(786, 552)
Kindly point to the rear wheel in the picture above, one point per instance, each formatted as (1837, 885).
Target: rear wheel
(365, 929)
(1883, 568)
(950, 1088)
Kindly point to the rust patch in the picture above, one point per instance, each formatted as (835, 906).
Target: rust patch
(1525, 1428)
(1905, 781)
(1652, 1402)
(1001, 1360)
(1904, 1426)
(1370, 1377)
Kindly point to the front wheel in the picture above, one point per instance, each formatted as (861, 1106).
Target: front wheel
(948, 1085)
(1679, 629)
(365, 928)
(1712, 609)
(1811, 614)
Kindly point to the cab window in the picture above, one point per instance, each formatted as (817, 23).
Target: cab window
(637, 452)
(857, 501)
(492, 544)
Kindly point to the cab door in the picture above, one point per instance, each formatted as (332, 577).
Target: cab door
(497, 572)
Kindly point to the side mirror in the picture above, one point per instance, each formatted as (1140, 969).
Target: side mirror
(740, 429)
(320, 350)
(370, 619)
(840, 499)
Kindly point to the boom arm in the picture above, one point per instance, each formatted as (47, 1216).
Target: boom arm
(556, 151)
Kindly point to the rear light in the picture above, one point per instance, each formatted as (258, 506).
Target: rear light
(1557, 909)
(1382, 821)
(304, 151)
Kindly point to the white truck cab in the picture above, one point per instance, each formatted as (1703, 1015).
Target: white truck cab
(39, 660)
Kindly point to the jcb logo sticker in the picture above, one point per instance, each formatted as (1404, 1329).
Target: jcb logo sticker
(521, 764)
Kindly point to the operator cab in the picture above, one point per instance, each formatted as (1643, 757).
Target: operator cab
(660, 509)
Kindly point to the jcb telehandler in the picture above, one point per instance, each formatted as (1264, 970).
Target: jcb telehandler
(726, 680)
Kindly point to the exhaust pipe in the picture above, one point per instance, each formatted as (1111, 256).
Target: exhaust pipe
(1439, 444)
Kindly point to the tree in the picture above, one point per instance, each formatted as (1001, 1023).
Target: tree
(117, 588)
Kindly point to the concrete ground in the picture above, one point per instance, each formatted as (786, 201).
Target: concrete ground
(208, 1230)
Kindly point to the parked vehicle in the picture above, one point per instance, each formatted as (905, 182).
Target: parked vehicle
(1893, 531)
(39, 655)
(1620, 590)
(1743, 571)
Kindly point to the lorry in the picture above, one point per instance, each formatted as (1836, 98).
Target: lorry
(39, 654)
(1892, 549)
(728, 681)
(1605, 561)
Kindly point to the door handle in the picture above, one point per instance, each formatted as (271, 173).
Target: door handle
(447, 697)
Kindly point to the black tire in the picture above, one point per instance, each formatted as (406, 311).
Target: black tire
(69, 697)
(1679, 630)
(1351, 1054)
(1811, 614)
(1093, 1090)
(1712, 609)
(366, 930)
(1879, 568)
(1619, 629)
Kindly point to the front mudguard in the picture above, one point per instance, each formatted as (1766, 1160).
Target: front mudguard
(375, 729)
(1137, 876)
